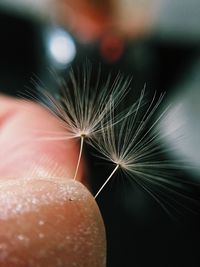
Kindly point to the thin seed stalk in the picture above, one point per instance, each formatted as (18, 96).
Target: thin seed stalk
(107, 180)
(79, 157)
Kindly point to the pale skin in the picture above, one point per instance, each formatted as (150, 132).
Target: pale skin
(46, 218)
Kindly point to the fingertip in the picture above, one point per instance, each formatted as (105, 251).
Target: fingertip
(50, 223)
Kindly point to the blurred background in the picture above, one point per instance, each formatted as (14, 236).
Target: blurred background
(157, 42)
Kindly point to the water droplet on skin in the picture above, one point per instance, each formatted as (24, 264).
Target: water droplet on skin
(41, 222)
(20, 237)
(41, 235)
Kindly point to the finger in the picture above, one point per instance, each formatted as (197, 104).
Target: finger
(45, 223)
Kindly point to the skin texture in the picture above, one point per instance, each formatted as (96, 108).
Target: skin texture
(46, 218)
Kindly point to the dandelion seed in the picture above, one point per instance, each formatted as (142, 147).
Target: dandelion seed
(83, 108)
(119, 143)
(134, 146)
